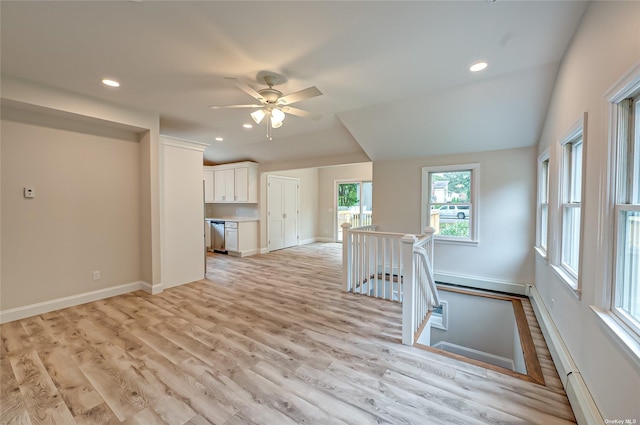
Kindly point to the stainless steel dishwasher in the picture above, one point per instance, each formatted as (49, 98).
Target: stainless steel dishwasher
(217, 236)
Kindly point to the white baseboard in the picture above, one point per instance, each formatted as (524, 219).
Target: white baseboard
(475, 354)
(325, 240)
(152, 289)
(316, 239)
(73, 300)
(302, 242)
(245, 253)
(582, 403)
(482, 283)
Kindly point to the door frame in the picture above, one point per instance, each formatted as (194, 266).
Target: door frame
(335, 201)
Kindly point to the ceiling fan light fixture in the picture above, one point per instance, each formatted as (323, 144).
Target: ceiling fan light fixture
(277, 116)
(258, 116)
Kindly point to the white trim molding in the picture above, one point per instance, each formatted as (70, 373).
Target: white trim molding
(582, 403)
(70, 301)
(482, 283)
(152, 289)
(183, 144)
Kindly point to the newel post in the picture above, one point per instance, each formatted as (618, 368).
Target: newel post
(347, 256)
(408, 285)
(430, 231)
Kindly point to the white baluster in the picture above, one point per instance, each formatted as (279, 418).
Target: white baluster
(408, 307)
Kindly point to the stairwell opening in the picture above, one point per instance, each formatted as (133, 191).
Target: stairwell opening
(483, 328)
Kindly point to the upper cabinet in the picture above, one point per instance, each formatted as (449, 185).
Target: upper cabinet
(208, 186)
(231, 183)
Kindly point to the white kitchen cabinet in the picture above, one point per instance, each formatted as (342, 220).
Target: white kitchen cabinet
(208, 186)
(231, 236)
(241, 186)
(224, 187)
(235, 183)
(241, 237)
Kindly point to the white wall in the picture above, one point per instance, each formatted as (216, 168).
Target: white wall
(605, 47)
(85, 217)
(183, 251)
(506, 213)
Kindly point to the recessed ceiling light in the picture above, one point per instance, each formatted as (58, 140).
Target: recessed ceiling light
(110, 83)
(479, 66)
(219, 139)
(247, 125)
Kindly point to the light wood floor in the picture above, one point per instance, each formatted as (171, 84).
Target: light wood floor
(268, 339)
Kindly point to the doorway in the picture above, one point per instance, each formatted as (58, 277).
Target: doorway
(353, 204)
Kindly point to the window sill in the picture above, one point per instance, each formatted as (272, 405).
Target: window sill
(467, 242)
(569, 281)
(620, 333)
(541, 253)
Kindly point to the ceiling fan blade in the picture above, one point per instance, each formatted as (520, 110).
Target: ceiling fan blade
(247, 89)
(234, 106)
(299, 95)
(300, 113)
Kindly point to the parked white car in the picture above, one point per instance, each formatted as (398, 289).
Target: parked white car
(454, 211)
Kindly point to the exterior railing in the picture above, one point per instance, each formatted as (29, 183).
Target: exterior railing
(394, 267)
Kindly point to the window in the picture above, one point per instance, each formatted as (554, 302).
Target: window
(571, 197)
(566, 250)
(449, 204)
(626, 280)
(543, 203)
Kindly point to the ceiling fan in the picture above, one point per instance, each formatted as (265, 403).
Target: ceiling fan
(273, 103)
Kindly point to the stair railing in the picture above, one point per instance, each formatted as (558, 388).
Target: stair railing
(392, 266)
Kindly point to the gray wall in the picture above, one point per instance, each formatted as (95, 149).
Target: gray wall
(86, 213)
(506, 212)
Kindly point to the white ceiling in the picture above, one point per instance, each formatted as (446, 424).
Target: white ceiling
(394, 74)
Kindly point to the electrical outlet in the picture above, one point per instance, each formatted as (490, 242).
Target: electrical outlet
(96, 275)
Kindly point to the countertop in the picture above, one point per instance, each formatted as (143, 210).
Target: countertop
(231, 218)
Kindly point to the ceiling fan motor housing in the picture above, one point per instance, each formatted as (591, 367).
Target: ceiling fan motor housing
(270, 95)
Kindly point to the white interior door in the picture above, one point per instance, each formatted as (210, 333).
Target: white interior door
(282, 212)
(290, 212)
(275, 212)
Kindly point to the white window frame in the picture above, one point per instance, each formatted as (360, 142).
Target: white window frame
(624, 332)
(566, 202)
(542, 234)
(473, 203)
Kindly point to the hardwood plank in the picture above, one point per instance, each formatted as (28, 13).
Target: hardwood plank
(73, 386)
(14, 338)
(123, 395)
(189, 388)
(336, 412)
(41, 398)
(13, 409)
(99, 415)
